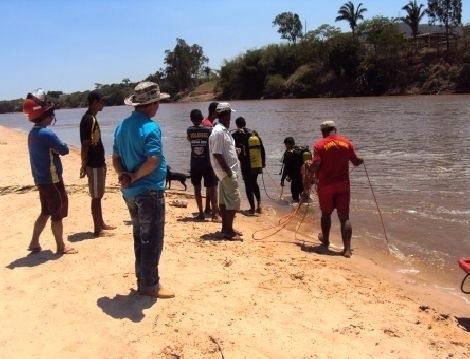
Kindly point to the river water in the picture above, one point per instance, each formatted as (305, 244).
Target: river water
(410, 206)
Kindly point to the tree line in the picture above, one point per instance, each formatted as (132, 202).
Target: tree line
(186, 67)
(375, 58)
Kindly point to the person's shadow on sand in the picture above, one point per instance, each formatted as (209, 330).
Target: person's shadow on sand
(463, 323)
(81, 236)
(129, 306)
(188, 219)
(34, 259)
(217, 236)
(318, 249)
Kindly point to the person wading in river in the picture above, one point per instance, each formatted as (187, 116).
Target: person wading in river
(330, 165)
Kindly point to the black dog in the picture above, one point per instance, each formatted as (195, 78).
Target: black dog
(175, 176)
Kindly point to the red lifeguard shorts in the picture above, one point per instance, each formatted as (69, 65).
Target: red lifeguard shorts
(334, 196)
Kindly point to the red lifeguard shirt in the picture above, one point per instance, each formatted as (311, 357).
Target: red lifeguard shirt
(207, 123)
(332, 155)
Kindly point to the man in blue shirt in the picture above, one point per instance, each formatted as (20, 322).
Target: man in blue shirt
(45, 149)
(141, 166)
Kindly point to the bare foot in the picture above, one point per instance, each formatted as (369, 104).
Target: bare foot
(324, 243)
(35, 249)
(67, 251)
(107, 227)
(234, 236)
(238, 233)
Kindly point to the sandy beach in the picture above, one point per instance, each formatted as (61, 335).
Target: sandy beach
(276, 297)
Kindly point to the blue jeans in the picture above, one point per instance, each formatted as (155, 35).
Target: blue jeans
(147, 212)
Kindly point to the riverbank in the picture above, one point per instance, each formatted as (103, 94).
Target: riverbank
(205, 92)
(271, 297)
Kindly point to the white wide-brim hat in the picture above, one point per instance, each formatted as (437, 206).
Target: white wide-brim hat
(144, 93)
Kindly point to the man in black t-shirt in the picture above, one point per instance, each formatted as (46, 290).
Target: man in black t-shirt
(93, 160)
(200, 164)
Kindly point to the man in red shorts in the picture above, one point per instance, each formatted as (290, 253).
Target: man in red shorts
(331, 156)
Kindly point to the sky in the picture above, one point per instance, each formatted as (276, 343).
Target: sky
(71, 45)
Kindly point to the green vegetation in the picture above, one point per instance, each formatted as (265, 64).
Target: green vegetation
(380, 58)
(352, 15)
(185, 69)
(289, 26)
(414, 16)
(447, 13)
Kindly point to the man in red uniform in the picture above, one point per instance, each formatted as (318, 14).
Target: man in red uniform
(331, 156)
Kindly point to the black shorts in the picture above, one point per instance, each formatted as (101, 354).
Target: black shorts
(207, 173)
(54, 200)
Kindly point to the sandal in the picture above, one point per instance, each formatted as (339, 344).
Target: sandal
(200, 217)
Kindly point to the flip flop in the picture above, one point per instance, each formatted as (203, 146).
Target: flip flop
(35, 249)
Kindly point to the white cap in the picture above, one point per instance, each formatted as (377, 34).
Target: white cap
(224, 107)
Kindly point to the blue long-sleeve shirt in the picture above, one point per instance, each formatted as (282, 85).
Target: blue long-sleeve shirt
(45, 149)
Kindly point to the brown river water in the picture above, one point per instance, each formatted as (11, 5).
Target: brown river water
(410, 206)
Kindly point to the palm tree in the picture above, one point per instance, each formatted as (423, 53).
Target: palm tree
(350, 14)
(414, 14)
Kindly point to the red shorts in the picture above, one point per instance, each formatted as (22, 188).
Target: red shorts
(54, 200)
(334, 196)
